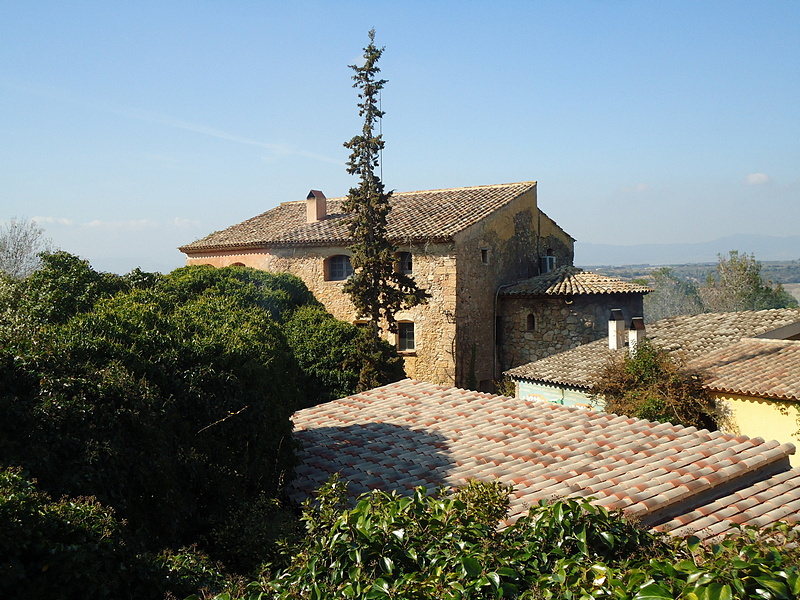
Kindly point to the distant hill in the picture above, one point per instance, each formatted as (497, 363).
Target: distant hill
(765, 248)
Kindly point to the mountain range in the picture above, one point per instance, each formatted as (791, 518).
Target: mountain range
(764, 247)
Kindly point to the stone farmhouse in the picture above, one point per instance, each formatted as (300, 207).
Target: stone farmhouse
(750, 361)
(464, 246)
(673, 478)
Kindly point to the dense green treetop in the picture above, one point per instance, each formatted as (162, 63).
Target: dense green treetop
(169, 397)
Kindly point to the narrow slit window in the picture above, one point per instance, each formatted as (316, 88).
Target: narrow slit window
(405, 263)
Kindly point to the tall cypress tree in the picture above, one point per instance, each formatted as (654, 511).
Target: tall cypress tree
(377, 290)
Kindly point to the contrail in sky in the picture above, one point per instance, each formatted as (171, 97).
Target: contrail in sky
(159, 119)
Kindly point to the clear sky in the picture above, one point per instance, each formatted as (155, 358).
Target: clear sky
(130, 128)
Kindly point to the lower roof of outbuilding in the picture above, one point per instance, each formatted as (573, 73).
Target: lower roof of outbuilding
(413, 433)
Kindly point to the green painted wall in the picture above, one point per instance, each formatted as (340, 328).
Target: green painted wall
(567, 396)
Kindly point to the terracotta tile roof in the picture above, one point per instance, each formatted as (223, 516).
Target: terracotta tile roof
(765, 368)
(775, 498)
(693, 335)
(413, 433)
(424, 215)
(568, 280)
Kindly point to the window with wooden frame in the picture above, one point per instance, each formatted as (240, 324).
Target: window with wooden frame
(338, 268)
(405, 337)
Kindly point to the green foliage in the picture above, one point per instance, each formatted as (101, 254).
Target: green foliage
(76, 543)
(651, 385)
(169, 400)
(276, 293)
(66, 285)
(77, 548)
(66, 549)
(737, 284)
(330, 354)
(377, 289)
(448, 546)
(398, 547)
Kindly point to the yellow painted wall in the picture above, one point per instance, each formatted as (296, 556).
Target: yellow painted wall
(767, 419)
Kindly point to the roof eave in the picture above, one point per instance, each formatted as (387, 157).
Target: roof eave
(193, 249)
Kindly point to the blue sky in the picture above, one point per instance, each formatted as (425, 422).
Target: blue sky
(130, 128)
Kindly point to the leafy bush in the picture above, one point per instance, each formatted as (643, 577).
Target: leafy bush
(652, 384)
(329, 354)
(66, 549)
(169, 400)
(168, 397)
(77, 548)
(448, 546)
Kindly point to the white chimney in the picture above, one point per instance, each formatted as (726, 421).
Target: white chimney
(616, 330)
(635, 334)
(316, 208)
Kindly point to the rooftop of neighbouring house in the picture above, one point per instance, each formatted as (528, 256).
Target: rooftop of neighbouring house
(413, 433)
(766, 368)
(433, 215)
(694, 336)
(571, 281)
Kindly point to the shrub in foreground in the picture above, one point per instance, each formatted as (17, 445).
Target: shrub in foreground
(447, 545)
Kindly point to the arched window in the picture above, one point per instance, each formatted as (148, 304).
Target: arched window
(237, 264)
(530, 322)
(338, 268)
(405, 263)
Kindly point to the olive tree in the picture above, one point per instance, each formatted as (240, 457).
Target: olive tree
(21, 241)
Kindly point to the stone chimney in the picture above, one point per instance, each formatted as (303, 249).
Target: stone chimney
(635, 334)
(316, 206)
(616, 330)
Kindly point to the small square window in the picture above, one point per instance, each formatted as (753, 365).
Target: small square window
(405, 336)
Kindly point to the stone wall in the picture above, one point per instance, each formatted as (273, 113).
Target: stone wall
(434, 269)
(559, 323)
(455, 331)
(504, 249)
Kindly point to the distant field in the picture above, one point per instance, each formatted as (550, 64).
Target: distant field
(786, 272)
